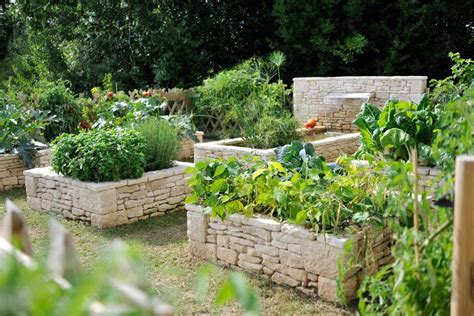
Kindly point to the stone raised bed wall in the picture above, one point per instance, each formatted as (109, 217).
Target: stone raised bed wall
(311, 97)
(429, 181)
(108, 204)
(187, 146)
(12, 167)
(329, 148)
(287, 253)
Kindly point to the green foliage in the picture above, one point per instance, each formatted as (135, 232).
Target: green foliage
(454, 86)
(59, 101)
(140, 43)
(299, 156)
(423, 286)
(100, 155)
(244, 96)
(32, 291)
(327, 201)
(328, 38)
(397, 129)
(19, 127)
(161, 140)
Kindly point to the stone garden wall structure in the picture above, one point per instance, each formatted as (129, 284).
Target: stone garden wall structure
(289, 254)
(186, 150)
(108, 204)
(335, 101)
(330, 148)
(12, 167)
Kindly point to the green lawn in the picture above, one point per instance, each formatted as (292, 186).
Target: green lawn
(164, 248)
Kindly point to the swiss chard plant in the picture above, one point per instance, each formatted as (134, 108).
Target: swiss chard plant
(398, 128)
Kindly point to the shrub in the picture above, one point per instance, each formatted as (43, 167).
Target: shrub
(248, 97)
(19, 127)
(60, 102)
(100, 155)
(161, 143)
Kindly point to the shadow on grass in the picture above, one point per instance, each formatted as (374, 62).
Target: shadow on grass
(157, 231)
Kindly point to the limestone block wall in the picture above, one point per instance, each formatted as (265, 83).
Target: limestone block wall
(108, 204)
(187, 146)
(330, 148)
(429, 181)
(12, 167)
(289, 254)
(312, 97)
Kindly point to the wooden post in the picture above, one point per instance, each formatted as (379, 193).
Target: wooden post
(462, 296)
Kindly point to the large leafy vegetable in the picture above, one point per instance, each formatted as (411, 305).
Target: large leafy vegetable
(397, 129)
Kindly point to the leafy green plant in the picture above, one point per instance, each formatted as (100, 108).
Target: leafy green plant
(394, 131)
(100, 155)
(246, 96)
(299, 156)
(318, 198)
(59, 101)
(419, 279)
(161, 140)
(19, 127)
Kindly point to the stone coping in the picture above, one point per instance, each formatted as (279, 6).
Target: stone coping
(229, 145)
(361, 78)
(48, 173)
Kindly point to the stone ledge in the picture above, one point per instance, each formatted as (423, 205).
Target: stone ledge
(293, 256)
(358, 78)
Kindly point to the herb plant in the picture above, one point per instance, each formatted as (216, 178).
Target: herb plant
(100, 155)
(161, 140)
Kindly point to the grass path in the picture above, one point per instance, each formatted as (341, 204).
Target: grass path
(162, 242)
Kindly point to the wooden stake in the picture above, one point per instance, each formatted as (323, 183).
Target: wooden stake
(462, 295)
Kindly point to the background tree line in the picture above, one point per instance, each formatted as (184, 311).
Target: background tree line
(180, 43)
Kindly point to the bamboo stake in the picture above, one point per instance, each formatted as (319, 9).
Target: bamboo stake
(462, 295)
(414, 155)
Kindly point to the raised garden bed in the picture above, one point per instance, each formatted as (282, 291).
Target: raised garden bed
(12, 167)
(186, 150)
(289, 254)
(330, 145)
(108, 204)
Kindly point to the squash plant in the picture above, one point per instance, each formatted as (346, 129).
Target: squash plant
(394, 131)
(317, 198)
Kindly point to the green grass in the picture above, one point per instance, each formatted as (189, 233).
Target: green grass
(164, 248)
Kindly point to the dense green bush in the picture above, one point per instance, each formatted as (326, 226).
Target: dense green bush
(100, 155)
(60, 102)
(161, 140)
(245, 96)
(155, 42)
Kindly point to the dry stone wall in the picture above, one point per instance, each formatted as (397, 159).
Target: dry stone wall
(429, 178)
(108, 204)
(187, 146)
(289, 254)
(330, 148)
(12, 167)
(335, 101)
